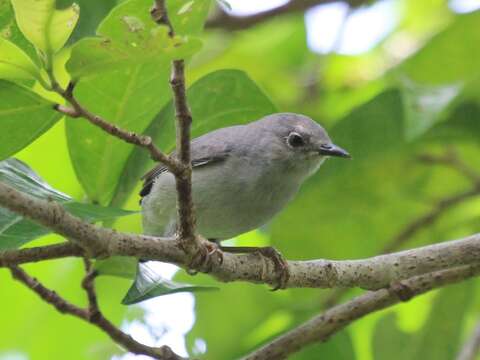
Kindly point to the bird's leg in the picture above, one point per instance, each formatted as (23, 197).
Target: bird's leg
(279, 262)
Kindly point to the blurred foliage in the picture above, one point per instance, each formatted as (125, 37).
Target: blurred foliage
(416, 91)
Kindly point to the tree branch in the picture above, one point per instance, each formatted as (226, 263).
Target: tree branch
(321, 327)
(371, 273)
(228, 22)
(79, 111)
(92, 314)
(450, 159)
(49, 252)
(183, 116)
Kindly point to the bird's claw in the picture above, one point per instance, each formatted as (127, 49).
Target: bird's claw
(205, 259)
(281, 269)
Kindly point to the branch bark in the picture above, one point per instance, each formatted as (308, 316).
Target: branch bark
(370, 273)
(183, 116)
(321, 327)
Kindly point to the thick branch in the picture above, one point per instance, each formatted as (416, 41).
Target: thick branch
(321, 327)
(91, 315)
(228, 22)
(371, 273)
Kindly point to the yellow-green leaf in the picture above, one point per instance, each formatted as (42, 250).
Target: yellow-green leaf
(45, 26)
(14, 63)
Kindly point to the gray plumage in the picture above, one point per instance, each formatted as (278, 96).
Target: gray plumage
(242, 175)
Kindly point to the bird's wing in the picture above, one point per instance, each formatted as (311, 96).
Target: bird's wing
(202, 154)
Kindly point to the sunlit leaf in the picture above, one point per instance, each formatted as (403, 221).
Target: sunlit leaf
(15, 64)
(43, 25)
(10, 31)
(128, 36)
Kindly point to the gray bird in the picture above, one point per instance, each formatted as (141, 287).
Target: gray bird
(242, 177)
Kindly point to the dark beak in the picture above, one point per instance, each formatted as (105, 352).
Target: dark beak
(333, 150)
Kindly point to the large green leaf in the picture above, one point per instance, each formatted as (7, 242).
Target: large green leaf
(451, 56)
(126, 36)
(445, 321)
(222, 98)
(16, 231)
(15, 64)
(128, 97)
(44, 26)
(9, 29)
(24, 116)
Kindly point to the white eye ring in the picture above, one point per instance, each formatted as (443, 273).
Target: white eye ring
(295, 140)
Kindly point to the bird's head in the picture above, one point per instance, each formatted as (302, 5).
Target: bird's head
(300, 141)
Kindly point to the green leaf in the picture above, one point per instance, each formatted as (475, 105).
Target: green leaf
(128, 97)
(10, 31)
(444, 323)
(188, 17)
(24, 116)
(389, 342)
(15, 64)
(128, 36)
(119, 266)
(16, 231)
(221, 98)
(451, 56)
(149, 284)
(44, 26)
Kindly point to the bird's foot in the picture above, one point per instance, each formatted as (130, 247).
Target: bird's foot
(205, 259)
(280, 264)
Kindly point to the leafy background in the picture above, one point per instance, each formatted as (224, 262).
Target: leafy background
(385, 105)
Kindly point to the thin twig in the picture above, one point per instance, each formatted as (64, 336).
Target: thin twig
(46, 294)
(228, 22)
(451, 159)
(322, 326)
(92, 314)
(40, 253)
(77, 110)
(429, 218)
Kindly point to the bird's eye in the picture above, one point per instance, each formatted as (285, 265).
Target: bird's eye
(295, 140)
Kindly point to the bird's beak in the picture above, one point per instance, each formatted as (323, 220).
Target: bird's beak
(333, 150)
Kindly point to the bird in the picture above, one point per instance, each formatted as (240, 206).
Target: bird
(242, 176)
